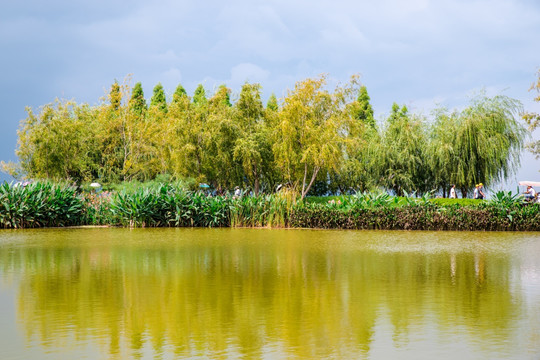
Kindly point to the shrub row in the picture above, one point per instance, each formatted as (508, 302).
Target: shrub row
(419, 217)
(53, 205)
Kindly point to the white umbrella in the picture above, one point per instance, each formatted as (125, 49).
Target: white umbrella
(95, 185)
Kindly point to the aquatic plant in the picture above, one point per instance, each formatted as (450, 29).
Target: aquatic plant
(39, 204)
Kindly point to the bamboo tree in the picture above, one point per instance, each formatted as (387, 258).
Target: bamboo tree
(219, 166)
(251, 147)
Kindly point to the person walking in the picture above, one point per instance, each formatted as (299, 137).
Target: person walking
(453, 192)
(481, 194)
(475, 193)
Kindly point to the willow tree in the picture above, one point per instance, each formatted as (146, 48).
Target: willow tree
(533, 119)
(308, 137)
(488, 141)
(441, 151)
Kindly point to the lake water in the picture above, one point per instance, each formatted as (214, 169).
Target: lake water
(100, 293)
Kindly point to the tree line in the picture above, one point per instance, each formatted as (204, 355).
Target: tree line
(313, 139)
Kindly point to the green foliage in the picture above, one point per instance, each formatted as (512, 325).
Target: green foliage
(445, 202)
(137, 103)
(39, 204)
(506, 199)
(199, 96)
(179, 94)
(309, 136)
(223, 95)
(316, 139)
(488, 140)
(401, 157)
(58, 142)
(158, 98)
(45, 204)
(272, 103)
(115, 96)
(362, 109)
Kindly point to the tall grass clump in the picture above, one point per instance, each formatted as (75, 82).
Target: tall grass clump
(39, 204)
(168, 205)
(260, 211)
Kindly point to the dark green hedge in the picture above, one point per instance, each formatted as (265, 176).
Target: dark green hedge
(418, 217)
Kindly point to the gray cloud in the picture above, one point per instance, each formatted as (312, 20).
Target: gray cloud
(407, 51)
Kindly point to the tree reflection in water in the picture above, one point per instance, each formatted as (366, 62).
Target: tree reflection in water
(298, 294)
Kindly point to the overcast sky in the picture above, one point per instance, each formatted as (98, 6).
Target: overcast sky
(422, 53)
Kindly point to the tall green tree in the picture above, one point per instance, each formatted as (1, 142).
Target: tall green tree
(158, 98)
(362, 109)
(115, 96)
(179, 94)
(252, 147)
(272, 103)
(224, 95)
(137, 103)
(199, 96)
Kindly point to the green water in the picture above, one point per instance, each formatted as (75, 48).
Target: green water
(271, 294)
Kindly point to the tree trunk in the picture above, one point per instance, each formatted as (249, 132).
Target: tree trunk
(315, 172)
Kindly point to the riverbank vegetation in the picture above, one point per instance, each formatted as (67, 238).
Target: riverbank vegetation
(315, 140)
(43, 204)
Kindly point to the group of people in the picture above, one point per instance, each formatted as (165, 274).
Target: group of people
(530, 194)
(478, 192)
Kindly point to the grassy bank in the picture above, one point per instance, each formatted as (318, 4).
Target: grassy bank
(53, 205)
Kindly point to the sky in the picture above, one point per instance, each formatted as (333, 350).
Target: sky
(420, 53)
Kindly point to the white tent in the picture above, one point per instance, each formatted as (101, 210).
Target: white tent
(529, 183)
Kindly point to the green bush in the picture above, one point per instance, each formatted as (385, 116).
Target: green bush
(39, 204)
